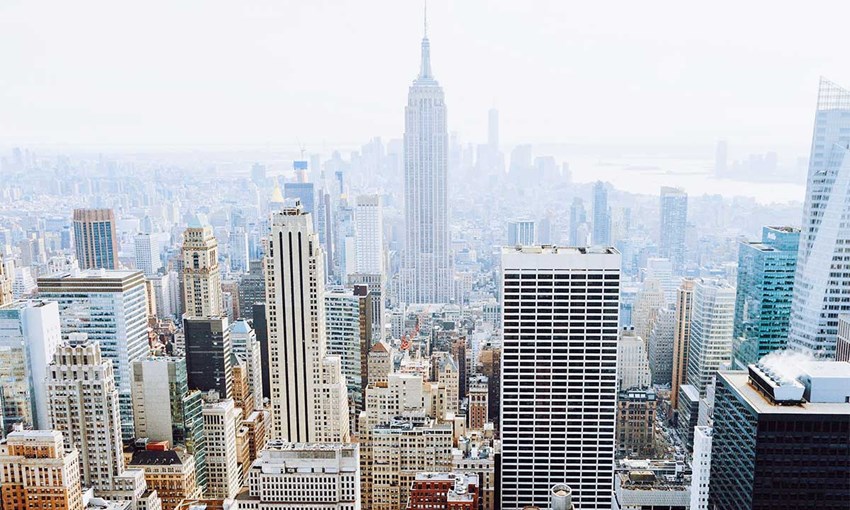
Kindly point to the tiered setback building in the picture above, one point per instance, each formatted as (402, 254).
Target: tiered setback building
(559, 373)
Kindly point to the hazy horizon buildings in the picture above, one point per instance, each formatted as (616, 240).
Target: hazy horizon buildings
(821, 289)
(601, 235)
(673, 228)
(427, 271)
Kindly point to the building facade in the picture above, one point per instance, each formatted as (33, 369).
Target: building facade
(711, 331)
(674, 223)
(201, 272)
(37, 472)
(95, 239)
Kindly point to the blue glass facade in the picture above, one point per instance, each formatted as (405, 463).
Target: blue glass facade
(765, 288)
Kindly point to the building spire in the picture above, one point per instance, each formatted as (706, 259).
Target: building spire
(425, 66)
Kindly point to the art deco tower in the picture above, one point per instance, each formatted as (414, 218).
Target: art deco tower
(427, 273)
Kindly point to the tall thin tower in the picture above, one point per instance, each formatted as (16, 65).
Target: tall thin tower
(822, 280)
(427, 273)
(201, 273)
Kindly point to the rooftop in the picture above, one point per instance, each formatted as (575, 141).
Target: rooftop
(740, 381)
(561, 250)
(157, 458)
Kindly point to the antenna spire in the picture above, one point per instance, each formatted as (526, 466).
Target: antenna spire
(425, 65)
(426, 19)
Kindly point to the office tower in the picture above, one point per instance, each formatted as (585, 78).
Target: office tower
(490, 359)
(581, 287)
(230, 299)
(822, 284)
(701, 468)
(379, 364)
(110, 307)
(681, 338)
(306, 393)
(427, 270)
(95, 239)
(649, 301)
(29, 335)
(660, 348)
(522, 232)
(402, 449)
(369, 228)
(147, 254)
(304, 475)
(687, 413)
(780, 436)
(478, 393)
(224, 474)
(636, 423)
(238, 250)
(7, 276)
(348, 324)
(170, 472)
(83, 404)
(208, 349)
(245, 345)
(765, 287)
(601, 216)
(346, 242)
(661, 269)
(842, 345)
(633, 364)
(444, 491)
(252, 288)
(37, 472)
(165, 409)
(201, 274)
(578, 217)
(711, 331)
(166, 294)
(262, 331)
(674, 223)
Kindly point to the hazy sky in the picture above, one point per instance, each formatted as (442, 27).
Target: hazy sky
(336, 72)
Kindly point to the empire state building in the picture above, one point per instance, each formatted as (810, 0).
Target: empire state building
(426, 273)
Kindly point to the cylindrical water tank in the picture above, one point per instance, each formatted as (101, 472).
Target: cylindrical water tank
(561, 498)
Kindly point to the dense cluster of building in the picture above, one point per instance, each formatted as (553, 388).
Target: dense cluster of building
(302, 363)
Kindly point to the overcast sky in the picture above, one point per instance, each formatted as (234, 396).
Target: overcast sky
(336, 72)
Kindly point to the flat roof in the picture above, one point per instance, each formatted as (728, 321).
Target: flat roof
(561, 250)
(739, 379)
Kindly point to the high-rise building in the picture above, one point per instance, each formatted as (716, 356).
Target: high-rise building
(7, 277)
(650, 299)
(110, 307)
(369, 234)
(165, 409)
(681, 338)
(247, 347)
(780, 436)
(522, 232)
(170, 472)
(37, 472)
(842, 345)
(711, 331)
(208, 349)
(166, 294)
(765, 287)
(560, 309)
(303, 192)
(307, 392)
(674, 223)
(632, 362)
(636, 422)
(252, 288)
(238, 249)
(29, 335)
(427, 270)
(147, 254)
(304, 475)
(578, 217)
(95, 239)
(478, 403)
(201, 273)
(601, 216)
(83, 404)
(701, 468)
(660, 347)
(444, 491)
(822, 279)
(348, 324)
(375, 284)
(224, 474)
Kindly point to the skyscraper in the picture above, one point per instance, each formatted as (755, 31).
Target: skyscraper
(224, 474)
(427, 272)
(369, 234)
(660, 346)
(681, 339)
(29, 335)
(711, 331)
(95, 239)
(780, 437)
(247, 347)
(110, 307)
(201, 274)
(674, 222)
(308, 393)
(560, 309)
(578, 217)
(822, 278)
(601, 216)
(522, 232)
(208, 350)
(764, 291)
(348, 323)
(147, 254)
